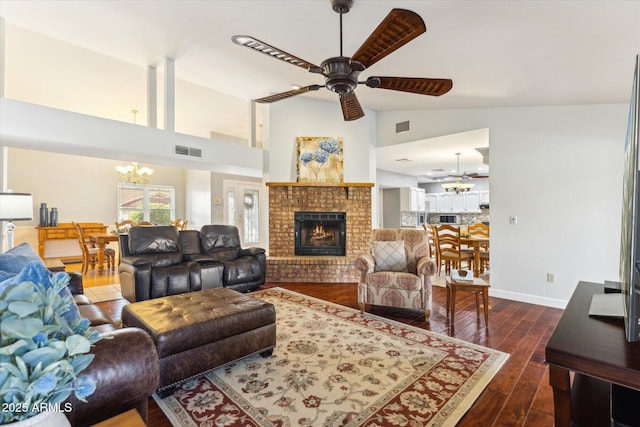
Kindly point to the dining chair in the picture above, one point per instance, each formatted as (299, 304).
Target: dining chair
(449, 249)
(90, 251)
(482, 230)
(180, 223)
(124, 225)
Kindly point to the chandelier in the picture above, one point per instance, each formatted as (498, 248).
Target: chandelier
(135, 175)
(458, 186)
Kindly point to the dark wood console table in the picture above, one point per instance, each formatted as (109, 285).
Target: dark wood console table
(596, 351)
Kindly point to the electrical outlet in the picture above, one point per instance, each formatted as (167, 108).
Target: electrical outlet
(513, 220)
(551, 277)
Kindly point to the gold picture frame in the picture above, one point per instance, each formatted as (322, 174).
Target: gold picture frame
(319, 159)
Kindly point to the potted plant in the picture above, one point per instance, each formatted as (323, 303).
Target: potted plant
(44, 346)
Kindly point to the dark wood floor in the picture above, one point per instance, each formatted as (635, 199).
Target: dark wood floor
(519, 395)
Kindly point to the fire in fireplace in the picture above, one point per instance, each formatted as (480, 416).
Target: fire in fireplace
(320, 233)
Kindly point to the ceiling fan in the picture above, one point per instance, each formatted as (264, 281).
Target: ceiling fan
(465, 175)
(341, 72)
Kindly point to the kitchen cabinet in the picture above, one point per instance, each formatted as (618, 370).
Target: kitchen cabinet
(412, 199)
(484, 197)
(472, 201)
(467, 202)
(431, 202)
(459, 202)
(445, 202)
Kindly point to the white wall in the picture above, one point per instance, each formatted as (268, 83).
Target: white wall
(559, 170)
(83, 189)
(305, 117)
(300, 116)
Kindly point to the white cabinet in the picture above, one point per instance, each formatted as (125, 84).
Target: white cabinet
(412, 199)
(459, 202)
(445, 202)
(431, 202)
(467, 202)
(484, 197)
(473, 201)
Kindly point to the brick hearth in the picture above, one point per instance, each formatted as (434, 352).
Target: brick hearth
(285, 198)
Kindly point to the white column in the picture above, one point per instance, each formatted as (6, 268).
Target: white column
(3, 73)
(169, 94)
(152, 97)
(252, 124)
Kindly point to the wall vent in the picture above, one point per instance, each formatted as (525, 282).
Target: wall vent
(188, 151)
(402, 127)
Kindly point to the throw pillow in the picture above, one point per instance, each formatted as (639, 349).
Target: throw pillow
(17, 258)
(389, 255)
(36, 272)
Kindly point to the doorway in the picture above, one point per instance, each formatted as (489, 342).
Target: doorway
(244, 208)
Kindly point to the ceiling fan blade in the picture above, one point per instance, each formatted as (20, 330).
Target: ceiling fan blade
(397, 29)
(264, 48)
(351, 109)
(287, 94)
(421, 86)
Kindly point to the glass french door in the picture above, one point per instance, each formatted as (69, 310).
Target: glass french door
(244, 208)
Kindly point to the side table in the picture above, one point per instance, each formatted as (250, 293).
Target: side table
(478, 286)
(131, 418)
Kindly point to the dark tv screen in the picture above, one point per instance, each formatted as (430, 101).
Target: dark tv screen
(630, 230)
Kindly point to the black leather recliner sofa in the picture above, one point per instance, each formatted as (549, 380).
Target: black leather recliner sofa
(160, 261)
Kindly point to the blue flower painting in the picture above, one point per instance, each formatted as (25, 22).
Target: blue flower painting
(320, 159)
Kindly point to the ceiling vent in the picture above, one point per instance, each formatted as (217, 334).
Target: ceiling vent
(188, 151)
(402, 127)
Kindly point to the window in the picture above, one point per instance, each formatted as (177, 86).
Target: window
(153, 203)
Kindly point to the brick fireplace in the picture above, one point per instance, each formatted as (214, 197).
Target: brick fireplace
(287, 198)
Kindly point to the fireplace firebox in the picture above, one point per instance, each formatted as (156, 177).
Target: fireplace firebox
(320, 233)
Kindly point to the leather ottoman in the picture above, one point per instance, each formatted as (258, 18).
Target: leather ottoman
(198, 331)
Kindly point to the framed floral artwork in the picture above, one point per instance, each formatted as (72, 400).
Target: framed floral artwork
(319, 159)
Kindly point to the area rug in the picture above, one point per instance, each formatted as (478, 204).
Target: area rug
(333, 366)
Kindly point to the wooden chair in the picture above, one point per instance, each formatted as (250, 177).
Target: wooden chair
(480, 229)
(90, 251)
(124, 225)
(180, 223)
(448, 248)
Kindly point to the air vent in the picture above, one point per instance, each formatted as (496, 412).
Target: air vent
(188, 151)
(402, 127)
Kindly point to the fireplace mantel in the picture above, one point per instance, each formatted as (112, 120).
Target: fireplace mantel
(320, 184)
(346, 185)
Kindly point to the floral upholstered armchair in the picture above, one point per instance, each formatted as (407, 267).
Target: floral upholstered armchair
(397, 272)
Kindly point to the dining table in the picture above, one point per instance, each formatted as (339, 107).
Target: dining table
(476, 242)
(102, 240)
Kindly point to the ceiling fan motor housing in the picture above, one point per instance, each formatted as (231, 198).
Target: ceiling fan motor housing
(341, 6)
(340, 76)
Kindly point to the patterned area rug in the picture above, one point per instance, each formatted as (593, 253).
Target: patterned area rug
(333, 366)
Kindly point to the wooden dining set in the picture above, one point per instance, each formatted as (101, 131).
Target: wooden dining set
(453, 246)
(94, 245)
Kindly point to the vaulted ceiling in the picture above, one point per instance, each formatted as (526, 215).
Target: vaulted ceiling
(505, 53)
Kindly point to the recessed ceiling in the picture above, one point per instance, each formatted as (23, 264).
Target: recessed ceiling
(431, 160)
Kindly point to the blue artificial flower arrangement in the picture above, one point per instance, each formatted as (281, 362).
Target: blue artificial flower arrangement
(44, 345)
